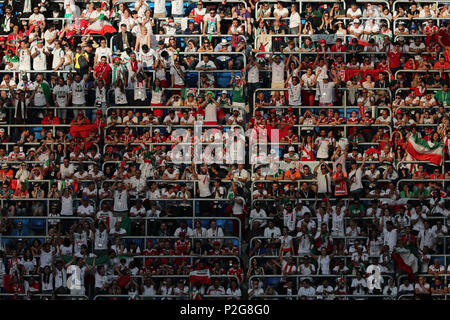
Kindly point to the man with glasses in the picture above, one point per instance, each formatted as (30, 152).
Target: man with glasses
(211, 23)
(198, 13)
(101, 51)
(7, 21)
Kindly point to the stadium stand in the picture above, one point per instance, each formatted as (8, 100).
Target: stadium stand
(188, 150)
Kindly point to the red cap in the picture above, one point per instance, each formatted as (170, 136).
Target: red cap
(257, 113)
(259, 185)
(323, 41)
(216, 242)
(290, 109)
(2, 38)
(273, 111)
(99, 112)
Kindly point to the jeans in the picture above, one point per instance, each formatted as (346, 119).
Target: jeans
(294, 31)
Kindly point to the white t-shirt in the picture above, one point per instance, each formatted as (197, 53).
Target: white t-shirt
(48, 35)
(294, 20)
(277, 72)
(354, 14)
(85, 211)
(120, 200)
(177, 78)
(100, 52)
(323, 143)
(211, 112)
(39, 61)
(280, 12)
(160, 6)
(203, 185)
(177, 7)
(61, 93)
(78, 95)
(24, 60)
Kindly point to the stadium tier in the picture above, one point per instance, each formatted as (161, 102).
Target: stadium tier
(240, 150)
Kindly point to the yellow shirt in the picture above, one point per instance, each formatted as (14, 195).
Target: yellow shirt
(77, 55)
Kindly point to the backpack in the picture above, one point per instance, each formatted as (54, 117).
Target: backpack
(82, 62)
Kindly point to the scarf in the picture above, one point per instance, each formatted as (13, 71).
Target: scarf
(134, 66)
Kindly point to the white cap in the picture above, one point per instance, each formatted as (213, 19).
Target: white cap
(224, 41)
(291, 149)
(356, 21)
(272, 151)
(224, 91)
(156, 130)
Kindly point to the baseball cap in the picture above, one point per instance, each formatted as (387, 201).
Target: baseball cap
(224, 92)
(257, 113)
(323, 41)
(259, 185)
(291, 149)
(290, 109)
(356, 21)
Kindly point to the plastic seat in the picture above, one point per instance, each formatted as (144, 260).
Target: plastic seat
(191, 79)
(273, 282)
(223, 79)
(221, 223)
(38, 224)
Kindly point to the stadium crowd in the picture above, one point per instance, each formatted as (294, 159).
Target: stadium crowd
(103, 105)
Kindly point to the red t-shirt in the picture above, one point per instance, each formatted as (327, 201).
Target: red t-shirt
(445, 36)
(394, 58)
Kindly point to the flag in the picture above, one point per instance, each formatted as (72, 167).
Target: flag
(406, 262)
(47, 92)
(420, 150)
(82, 130)
(200, 276)
(113, 13)
(100, 26)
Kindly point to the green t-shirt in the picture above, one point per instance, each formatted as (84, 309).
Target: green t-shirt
(418, 193)
(356, 209)
(238, 94)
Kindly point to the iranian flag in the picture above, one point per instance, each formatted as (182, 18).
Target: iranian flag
(200, 276)
(420, 150)
(406, 261)
(100, 26)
